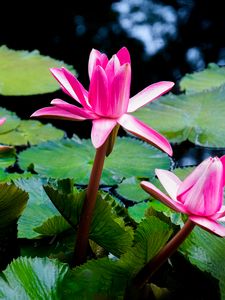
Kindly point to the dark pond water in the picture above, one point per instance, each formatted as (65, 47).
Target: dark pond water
(166, 39)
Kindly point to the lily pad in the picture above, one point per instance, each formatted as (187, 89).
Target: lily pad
(197, 117)
(27, 73)
(212, 76)
(131, 190)
(31, 132)
(12, 121)
(206, 251)
(7, 156)
(73, 158)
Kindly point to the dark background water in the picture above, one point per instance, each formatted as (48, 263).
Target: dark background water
(166, 40)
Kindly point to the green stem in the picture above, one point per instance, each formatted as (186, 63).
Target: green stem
(147, 271)
(80, 252)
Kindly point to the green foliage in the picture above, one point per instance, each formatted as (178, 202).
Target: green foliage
(12, 121)
(184, 117)
(130, 189)
(212, 76)
(26, 73)
(29, 279)
(206, 251)
(12, 203)
(80, 155)
(39, 208)
(107, 278)
(7, 156)
(31, 132)
(150, 236)
(97, 279)
(107, 229)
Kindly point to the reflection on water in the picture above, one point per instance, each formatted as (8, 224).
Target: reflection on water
(147, 21)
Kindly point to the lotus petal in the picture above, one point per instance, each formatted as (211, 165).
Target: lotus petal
(149, 94)
(141, 130)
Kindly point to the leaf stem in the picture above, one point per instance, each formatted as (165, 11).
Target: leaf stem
(147, 271)
(80, 252)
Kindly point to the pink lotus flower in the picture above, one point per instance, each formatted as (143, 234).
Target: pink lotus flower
(200, 195)
(107, 102)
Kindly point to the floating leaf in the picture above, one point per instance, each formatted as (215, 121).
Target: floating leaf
(131, 190)
(206, 251)
(211, 77)
(26, 73)
(33, 278)
(7, 156)
(74, 159)
(12, 121)
(8, 177)
(190, 117)
(31, 132)
(137, 211)
(39, 208)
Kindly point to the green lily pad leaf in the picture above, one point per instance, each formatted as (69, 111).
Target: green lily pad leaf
(206, 251)
(8, 177)
(12, 121)
(74, 159)
(39, 208)
(131, 190)
(107, 229)
(33, 278)
(213, 76)
(7, 156)
(27, 73)
(184, 117)
(32, 132)
(137, 211)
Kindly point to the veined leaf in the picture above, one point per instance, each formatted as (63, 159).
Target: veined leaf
(80, 154)
(31, 132)
(27, 73)
(11, 123)
(12, 203)
(211, 77)
(108, 278)
(206, 251)
(96, 279)
(7, 156)
(184, 117)
(150, 236)
(33, 278)
(130, 189)
(39, 208)
(107, 229)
